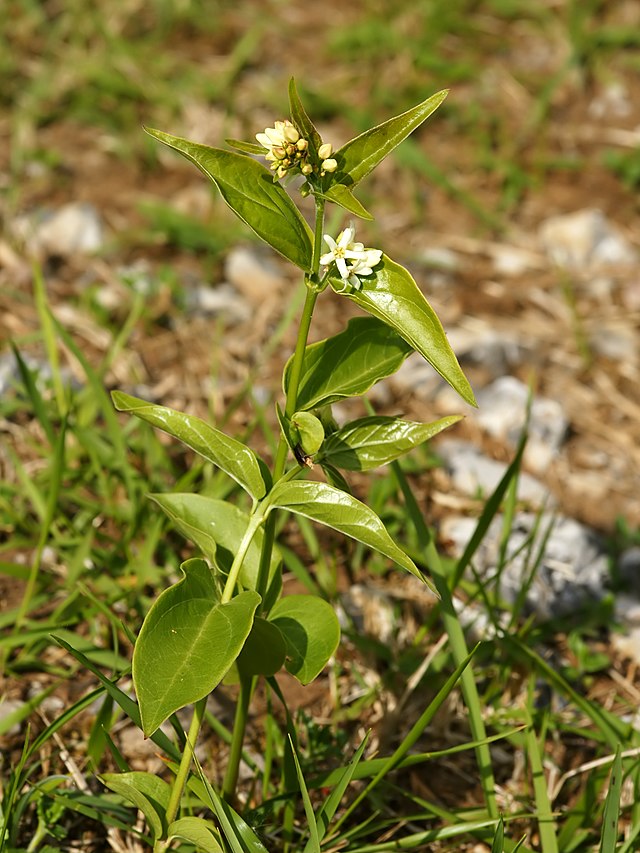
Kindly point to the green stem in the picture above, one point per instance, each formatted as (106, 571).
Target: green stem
(232, 578)
(247, 684)
(456, 640)
(239, 725)
(183, 771)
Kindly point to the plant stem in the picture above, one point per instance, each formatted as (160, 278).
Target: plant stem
(247, 685)
(237, 742)
(456, 640)
(183, 771)
(232, 578)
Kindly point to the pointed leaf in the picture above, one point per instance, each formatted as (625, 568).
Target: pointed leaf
(375, 441)
(146, 792)
(248, 188)
(235, 830)
(246, 147)
(198, 831)
(311, 631)
(349, 363)
(343, 197)
(217, 528)
(264, 650)
(391, 295)
(361, 155)
(234, 458)
(187, 643)
(301, 120)
(341, 511)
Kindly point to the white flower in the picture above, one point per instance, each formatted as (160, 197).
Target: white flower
(329, 165)
(278, 138)
(351, 259)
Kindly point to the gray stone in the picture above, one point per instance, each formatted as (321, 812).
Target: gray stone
(256, 277)
(8, 707)
(478, 344)
(628, 568)
(585, 240)
(72, 229)
(222, 300)
(473, 473)
(502, 412)
(553, 565)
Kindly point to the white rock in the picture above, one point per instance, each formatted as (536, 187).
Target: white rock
(555, 563)
(72, 229)
(441, 258)
(477, 343)
(221, 300)
(7, 708)
(416, 376)
(617, 341)
(502, 411)
(473, 473)
(585, 239)
(255, 277)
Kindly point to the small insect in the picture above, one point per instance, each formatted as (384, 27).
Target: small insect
(301, 457)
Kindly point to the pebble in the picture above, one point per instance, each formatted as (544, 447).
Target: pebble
(502, 412)
(7, 708)
(256, 277)
(585, 240)
(75, 228)
(572, 566)
(478, 344)
(371, 611)
(223, 300)
(475, 474)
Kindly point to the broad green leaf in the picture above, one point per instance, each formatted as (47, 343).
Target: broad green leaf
(234, 829)
(217, 528)
(341, 511)
(301, 120)
(146, 792)
(264, 650)
(308, 430)
(349, 363)
(361, 155)
(311, 631)
(343, 197)
(234, 458)
(391, 295)
(198, 831)
(374, 441)
(187, 643)
(249, 190)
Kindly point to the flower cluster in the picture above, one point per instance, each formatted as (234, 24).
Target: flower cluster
(287, 150)
(352, 259)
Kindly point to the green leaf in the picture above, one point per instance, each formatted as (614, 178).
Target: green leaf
(264, 650)
(374, 441)
(234, 458)
(187, 643)
(341, 511)
(343, 197)
(198, 831)
(246, 147)
(361, 155)
(349, 363)
(301, 120)
(248, 188)
(146, 792)
(391, 295)
(308, 430)
(217, 528)
(311, 631)
(611, 816)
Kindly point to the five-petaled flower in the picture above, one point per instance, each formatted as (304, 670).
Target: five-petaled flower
(352, 259)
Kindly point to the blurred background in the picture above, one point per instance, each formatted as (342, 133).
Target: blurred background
(515, 206)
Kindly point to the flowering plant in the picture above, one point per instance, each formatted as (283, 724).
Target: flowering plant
(226, 617)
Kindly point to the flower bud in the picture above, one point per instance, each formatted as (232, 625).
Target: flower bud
(307, 169)
(325, 150)
(302, 145)
(329, 165)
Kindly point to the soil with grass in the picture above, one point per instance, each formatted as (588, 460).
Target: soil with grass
(538, 124)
